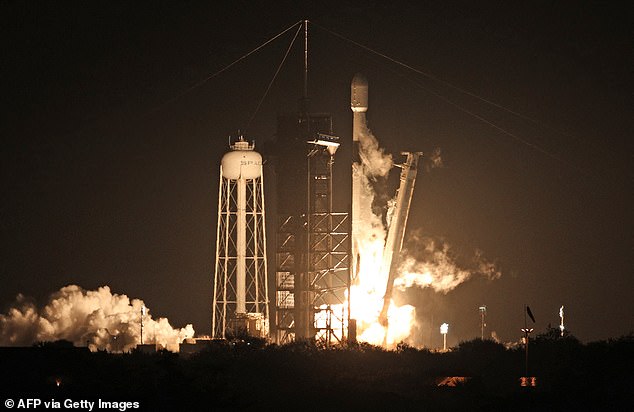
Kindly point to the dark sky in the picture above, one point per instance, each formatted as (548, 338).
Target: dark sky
(108, 179)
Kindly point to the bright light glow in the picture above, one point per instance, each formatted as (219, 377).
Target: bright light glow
(409, 279)
(444, 328)
(367, 300)
(437, 269)
(561, 324)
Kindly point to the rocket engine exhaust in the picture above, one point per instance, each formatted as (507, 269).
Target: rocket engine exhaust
(376, 263)
(396, 232)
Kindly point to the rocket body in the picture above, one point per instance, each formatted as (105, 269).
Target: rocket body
(359, 106)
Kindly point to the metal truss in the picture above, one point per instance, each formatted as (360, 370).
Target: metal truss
(225, 294)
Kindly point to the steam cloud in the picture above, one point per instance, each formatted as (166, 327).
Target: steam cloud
(435, 267)
(426, 263)
(96, 318)
(376, 163)
(435, 159)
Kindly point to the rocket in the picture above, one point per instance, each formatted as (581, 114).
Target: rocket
(359, 106)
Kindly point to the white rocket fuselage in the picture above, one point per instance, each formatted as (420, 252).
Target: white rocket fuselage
(359, 106)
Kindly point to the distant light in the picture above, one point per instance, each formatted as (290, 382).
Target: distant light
(561, 324)
(444, 328)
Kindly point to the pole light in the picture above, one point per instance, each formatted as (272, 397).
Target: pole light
(483, 312)
(444, 328)
(142, 316)
(561, 323)
(527, 332)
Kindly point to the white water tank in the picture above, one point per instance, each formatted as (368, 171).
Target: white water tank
(241, 162)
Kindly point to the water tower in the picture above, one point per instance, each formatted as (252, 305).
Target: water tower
(241, 303)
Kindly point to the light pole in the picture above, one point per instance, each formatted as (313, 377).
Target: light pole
(142, 316)
(527, 332)
(444, 328)
(561, 323)
(526, 380)
(483, 312)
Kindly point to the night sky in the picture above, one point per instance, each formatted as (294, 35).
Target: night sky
(110, 158)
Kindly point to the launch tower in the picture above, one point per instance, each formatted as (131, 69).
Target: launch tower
(313, 241)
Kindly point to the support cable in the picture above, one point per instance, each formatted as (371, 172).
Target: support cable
(227, 67)
(488, 122)
(432, 77)
(464, 91)
(266, 92)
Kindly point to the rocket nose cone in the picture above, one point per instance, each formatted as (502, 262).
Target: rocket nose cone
(359, 80)
(359, 93)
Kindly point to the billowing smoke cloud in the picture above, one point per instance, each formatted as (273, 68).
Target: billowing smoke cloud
(433, 265)
(435, 160)
(96, 318)
(428, 264)
(376, 163)
(374, 167)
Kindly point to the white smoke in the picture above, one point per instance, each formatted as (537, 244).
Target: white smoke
(436, 268)
(431, 265)
(435, 160)
(374, 160)
(375, 163)
(98, 319)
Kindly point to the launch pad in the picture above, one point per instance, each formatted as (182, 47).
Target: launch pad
(331, 281)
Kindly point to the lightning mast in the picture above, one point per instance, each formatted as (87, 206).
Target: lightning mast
(312, 240)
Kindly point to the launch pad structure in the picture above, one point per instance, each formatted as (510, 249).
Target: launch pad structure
(313, 241)
(316, 248)
(312, 264)
(318, 255)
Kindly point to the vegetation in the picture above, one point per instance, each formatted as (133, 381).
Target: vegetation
(241, 374)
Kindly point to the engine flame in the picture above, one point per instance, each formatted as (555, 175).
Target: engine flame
(368, 289)
(435, 269)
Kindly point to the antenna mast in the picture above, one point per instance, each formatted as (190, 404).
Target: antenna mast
(305, 59)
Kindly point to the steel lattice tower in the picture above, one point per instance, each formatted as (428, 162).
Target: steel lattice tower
(240, 303)
(313, 242)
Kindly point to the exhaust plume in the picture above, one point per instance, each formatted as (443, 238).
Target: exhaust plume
(96, 318)
(428, 263)
(433, 266)
(435, 160)
(374, 160)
